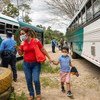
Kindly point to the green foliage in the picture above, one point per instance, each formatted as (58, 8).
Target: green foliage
(24, 7)
(27, 19)
(51, 82)
(46, 68)
(3, 3)
(14, 96)
(6, 1)
(20, 66)
(11, 11)
(49, 34)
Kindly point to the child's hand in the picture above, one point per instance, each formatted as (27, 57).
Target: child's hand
(55, 62)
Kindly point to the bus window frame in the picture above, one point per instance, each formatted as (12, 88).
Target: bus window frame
(97, 13)
(84, 13)
(80, 18)
(87, 22)
(2, 30)
(88, 7)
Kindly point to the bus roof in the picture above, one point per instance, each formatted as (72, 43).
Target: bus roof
(36, 29)
(84, 3)
(8, 18)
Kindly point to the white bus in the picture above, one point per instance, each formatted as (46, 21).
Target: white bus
(83, 33)
(7, 23)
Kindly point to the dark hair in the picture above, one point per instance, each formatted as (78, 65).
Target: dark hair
(9, 33)
(65, 48)
(29, 31)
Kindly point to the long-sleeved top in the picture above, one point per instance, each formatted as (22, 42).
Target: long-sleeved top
(8, 44)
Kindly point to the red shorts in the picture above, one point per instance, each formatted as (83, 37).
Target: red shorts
(65, 77)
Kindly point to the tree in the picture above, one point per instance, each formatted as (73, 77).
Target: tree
(25, 9)
(50, 34)
(64, 8)
(42, 27)
(27, 19)
(11, 10)
(3, 3)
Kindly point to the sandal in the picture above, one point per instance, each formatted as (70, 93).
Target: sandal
(38, 97)
(30, 98)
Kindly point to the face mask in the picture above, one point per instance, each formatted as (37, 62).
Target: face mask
(64, 54)
(23, 37)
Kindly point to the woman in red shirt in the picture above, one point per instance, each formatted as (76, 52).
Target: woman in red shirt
(31, 67)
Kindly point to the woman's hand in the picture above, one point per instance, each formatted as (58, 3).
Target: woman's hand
(19, 51)
(50, 60)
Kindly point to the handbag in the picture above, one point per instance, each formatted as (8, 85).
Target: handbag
(40, 57)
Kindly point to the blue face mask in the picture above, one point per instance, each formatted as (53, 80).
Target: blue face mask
(23, 37)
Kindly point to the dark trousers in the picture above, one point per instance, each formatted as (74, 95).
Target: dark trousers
(53, 49)
(32, 74)
(11, 60)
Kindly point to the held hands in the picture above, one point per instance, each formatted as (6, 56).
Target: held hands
(51, 61)
(55, 62)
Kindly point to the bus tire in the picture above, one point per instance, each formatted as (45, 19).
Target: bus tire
(5, 79)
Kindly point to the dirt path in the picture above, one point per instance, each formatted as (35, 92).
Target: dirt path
(84, 87)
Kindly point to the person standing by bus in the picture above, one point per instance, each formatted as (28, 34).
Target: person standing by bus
(31, 67)
(8, 53)
(53, 44)
(61, 43)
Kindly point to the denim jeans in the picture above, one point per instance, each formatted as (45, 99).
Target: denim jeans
(32, 74)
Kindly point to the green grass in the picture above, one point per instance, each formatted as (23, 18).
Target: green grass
(49, 82)
(14, 96)
(20, 66)
(46, 68)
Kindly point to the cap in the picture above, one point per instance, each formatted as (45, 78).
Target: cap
(9, 32)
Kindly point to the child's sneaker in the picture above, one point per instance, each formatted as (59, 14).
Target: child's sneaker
(63, 89)
(69, 94)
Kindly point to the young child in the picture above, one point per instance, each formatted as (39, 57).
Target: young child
(65, 63)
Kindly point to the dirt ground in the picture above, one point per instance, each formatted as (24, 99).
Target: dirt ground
(84, 87)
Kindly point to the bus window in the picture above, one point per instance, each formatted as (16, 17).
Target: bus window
(83, 16)
(15, 27)
(2, 28)
(2, 31)
(77, 22)
(80, 19)
(97, 7)
(8, 26)
(89, 10)
(14, 31)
